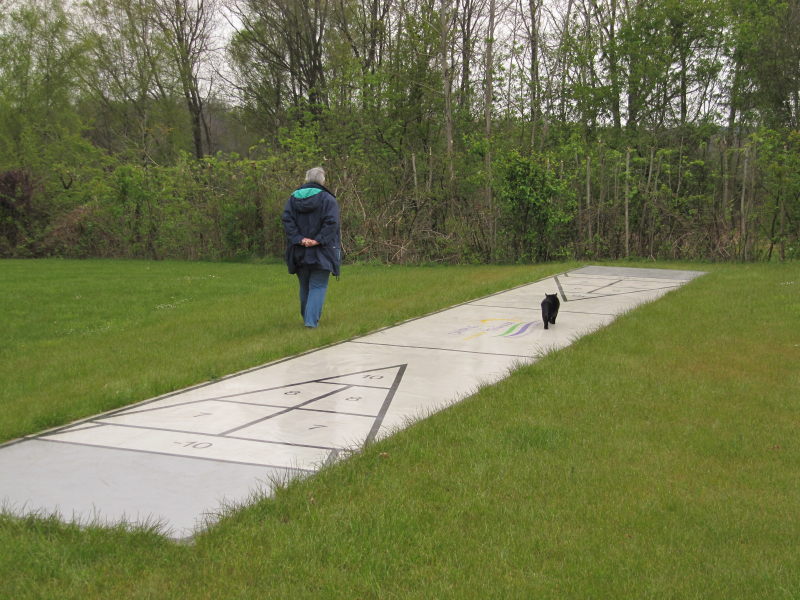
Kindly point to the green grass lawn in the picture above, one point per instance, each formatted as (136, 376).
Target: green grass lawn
(656, 458)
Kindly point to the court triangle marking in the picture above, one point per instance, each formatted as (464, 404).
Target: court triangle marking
(383, 377)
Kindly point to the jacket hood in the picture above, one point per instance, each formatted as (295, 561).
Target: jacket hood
(307, 197)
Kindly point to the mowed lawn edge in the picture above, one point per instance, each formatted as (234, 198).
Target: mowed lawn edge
(655, 458)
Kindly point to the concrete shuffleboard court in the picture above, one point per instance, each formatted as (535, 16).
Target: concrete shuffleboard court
(180, 459)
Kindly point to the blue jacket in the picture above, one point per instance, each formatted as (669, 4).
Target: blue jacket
(312, 212)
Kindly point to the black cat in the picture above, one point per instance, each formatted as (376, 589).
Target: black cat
(550, 306)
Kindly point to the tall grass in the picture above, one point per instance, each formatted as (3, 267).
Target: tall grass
(656, 458)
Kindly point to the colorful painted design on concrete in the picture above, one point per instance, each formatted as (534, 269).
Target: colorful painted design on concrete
(496, 328)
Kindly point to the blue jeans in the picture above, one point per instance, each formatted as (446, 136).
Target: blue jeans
(313, 285)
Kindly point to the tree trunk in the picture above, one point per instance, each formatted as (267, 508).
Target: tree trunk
(627, 201)
(742, 211)
(445, 21)
(533, 42)
(488, 102)
(589, 197)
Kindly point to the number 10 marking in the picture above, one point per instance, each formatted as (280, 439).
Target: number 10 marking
(196, 445)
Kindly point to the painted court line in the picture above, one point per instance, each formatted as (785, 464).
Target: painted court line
(182, 456)
(439, 349)
(154, 452)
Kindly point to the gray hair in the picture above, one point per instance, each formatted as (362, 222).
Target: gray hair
(316, 175)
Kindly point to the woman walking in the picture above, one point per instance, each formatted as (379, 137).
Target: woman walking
(313, 242)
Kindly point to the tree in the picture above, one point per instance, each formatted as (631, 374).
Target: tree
(764, 46)
(38, 62)
(279, 53)
(537, 207)
(446, 17)
(188, 28)
(129, 85)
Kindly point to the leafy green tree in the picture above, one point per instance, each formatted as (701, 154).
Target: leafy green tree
(187, 26)
(38, 62)
(128, 99)
(537, 208)
(763, 49)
